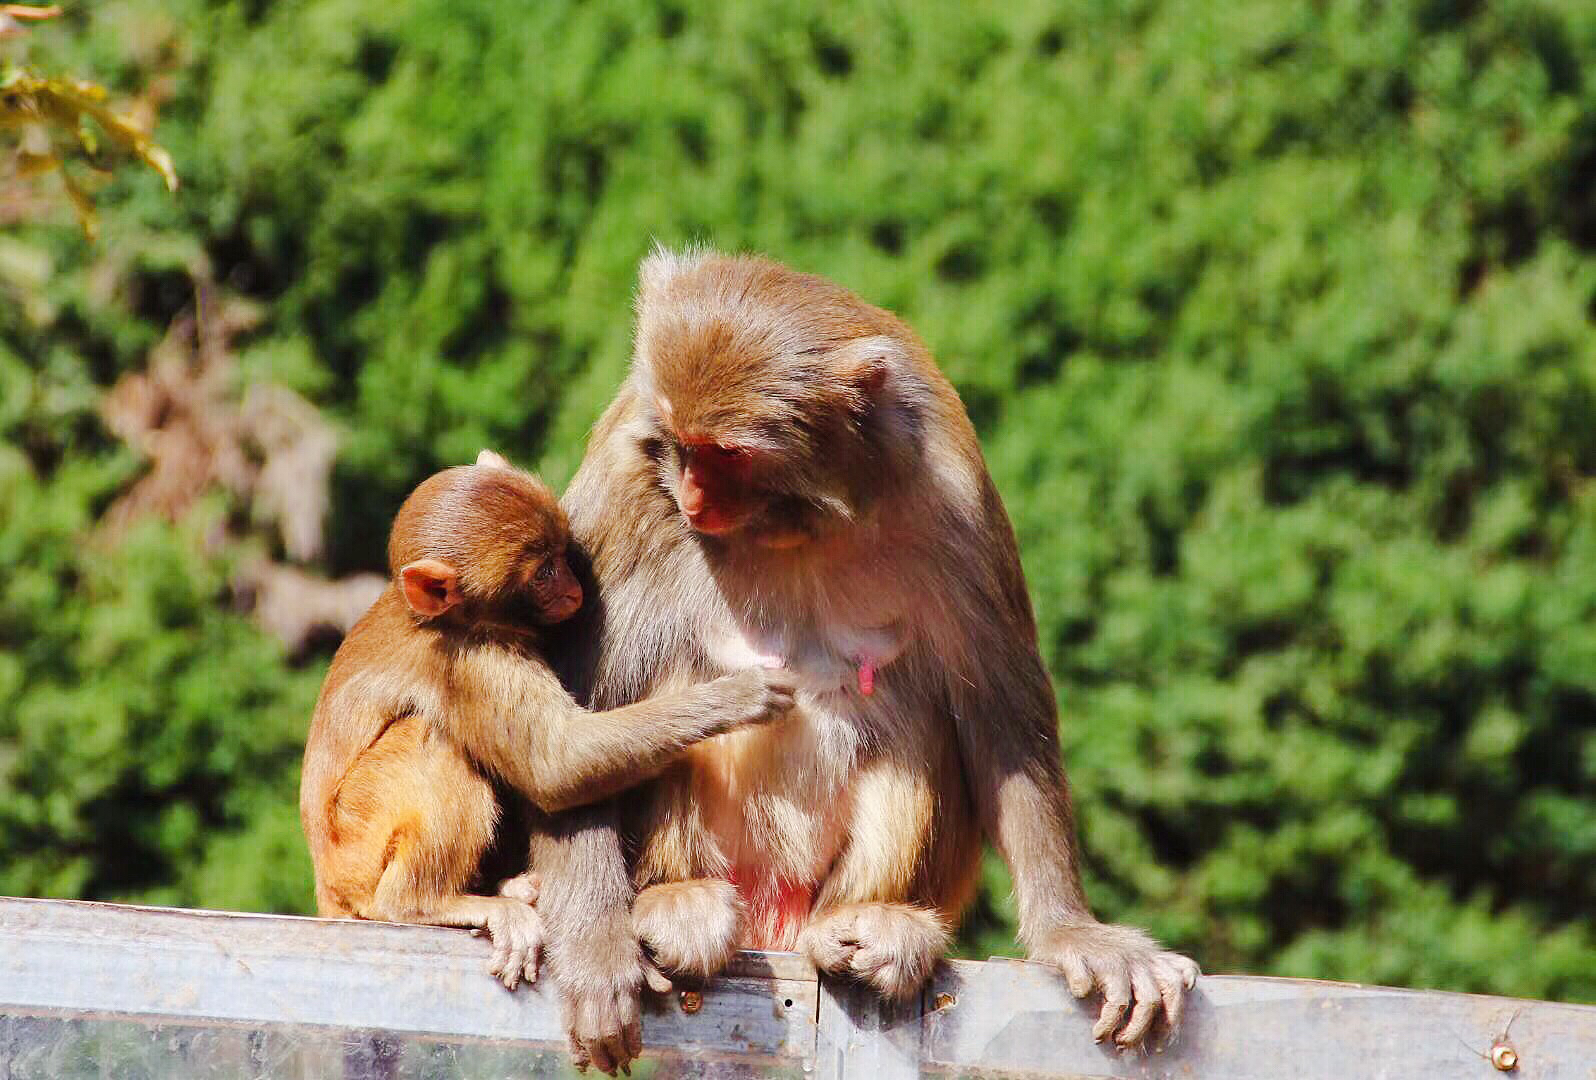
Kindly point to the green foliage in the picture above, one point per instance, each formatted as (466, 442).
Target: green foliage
(1276, 318)
(149, 739)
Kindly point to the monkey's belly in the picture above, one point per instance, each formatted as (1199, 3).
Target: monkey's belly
(775, 801)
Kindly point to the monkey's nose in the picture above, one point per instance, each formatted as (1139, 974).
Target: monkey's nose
(691, 497)
(565, 607)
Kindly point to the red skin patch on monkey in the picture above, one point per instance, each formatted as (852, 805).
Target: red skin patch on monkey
(867, 678)
(777, 907)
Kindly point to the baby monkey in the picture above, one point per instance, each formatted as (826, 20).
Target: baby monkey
(441, 692)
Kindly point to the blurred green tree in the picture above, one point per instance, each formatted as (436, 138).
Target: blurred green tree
(1277, 317)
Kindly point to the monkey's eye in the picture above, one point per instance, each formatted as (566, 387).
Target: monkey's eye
(546, 571)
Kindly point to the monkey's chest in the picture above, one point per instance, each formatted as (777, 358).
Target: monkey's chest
(833, 659)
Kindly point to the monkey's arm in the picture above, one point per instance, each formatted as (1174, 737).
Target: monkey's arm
(593, 955)
(519, 722)
(1007, 724)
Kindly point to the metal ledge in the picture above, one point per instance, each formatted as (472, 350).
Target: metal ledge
(173, 993)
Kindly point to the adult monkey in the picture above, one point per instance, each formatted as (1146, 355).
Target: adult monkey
(787, 478)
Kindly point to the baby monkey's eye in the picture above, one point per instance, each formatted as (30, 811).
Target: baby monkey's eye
(546, 571)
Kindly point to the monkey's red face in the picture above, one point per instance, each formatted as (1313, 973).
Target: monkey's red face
(556, 593)
(715, 490)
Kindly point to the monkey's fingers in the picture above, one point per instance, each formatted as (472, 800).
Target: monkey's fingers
(634, 1038)
(656, 981)
(500, 960)
(1114, 979)
(1076, 973)
(580, 1058)
(530, 968)
(1148, 1002)
(1171, 988)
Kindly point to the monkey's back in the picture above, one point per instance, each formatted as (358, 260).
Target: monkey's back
(372, 679)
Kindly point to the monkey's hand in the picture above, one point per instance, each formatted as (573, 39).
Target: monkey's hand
(752, 696)
(517, 935)
(600, 986)
(1128, 967)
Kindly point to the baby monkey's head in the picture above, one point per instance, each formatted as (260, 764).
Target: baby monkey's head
(486, 541)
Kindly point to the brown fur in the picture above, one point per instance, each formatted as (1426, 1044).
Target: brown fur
(866, 533)
(426, 708)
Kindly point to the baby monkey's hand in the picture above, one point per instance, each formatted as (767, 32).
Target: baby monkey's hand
(755, 695)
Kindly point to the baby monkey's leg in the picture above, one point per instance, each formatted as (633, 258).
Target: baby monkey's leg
(436, 848)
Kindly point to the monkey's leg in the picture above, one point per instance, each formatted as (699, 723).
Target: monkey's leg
(878, 916)
(443, 815)
(408, 892)
(690, 927)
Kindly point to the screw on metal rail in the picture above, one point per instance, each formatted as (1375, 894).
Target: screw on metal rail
(1504, 1057)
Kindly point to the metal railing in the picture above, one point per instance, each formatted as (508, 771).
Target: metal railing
(99, 990)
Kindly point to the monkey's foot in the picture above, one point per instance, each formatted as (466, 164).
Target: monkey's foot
(517, 934)
(1129, 968)
(522, 887)
(690, 927)
(892, 947)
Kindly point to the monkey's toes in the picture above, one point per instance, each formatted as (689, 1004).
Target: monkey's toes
(890, 974)
(606, 1029)
(830, 944)
(517, 944)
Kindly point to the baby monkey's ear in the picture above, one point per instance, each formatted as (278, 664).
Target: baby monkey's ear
(492, 461)
(431, 587)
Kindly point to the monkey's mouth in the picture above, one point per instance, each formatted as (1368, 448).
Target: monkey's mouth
(563, 608)
(713, 521)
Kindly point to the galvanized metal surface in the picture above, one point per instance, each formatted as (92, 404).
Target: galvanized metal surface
(257, 969)
(1011, 1017)
(98, 990)
(862, 1037)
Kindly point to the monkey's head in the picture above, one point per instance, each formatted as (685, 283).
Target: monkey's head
(486, 542)
(772, 402)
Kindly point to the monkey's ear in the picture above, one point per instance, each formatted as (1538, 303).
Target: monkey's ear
(491, 460)
(866, 363)
(431, 586)
(661, 264)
